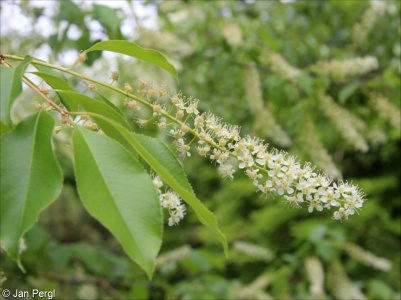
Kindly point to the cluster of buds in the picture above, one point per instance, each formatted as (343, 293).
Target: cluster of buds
(271, 171)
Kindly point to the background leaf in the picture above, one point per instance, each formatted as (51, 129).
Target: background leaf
(107, 16)
(132, 49)
(119, 193)
(30, 178)
(11, 87)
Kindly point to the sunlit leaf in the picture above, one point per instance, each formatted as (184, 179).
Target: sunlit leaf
(119, 193)
(132, 49)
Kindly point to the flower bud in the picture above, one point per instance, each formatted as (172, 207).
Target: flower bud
(142, 84)
(179, 114)
(37, 106)
(115, 76)
(128, 88)
(57, 129)
(82, 56)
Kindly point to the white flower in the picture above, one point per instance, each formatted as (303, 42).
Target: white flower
(276, 169)
(183, 148)
(264, 158)
(157, 181)
(227, 171)
(192, 107)
(267, 188)
(253, 174)
(293, 200)
(315, 204)
(340, 214)
(284, 186)
(203, 149)
(245, 159)
(329, 195)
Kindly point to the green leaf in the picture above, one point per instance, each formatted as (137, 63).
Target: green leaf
(166, 164)
(119, 193)
(58, 83)
(347, 92)
(107, 16)
(93, 105)
(305, 82)
(3, 128)
(49, 71)
(11, 87)
(163, 161)
(132, 49)
(31, 178)
(70, 12)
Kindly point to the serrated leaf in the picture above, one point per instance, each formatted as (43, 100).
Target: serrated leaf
(132, 49)
(31, 178)
(58, 83)
(11, 87)
(161, 159)
(119, 193)
(93, 105)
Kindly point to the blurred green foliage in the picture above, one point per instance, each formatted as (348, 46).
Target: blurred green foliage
(221, 49)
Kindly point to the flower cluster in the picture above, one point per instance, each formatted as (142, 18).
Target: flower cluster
(315, 272)
(367, 257)
(341, 69)
(173, 255)
(368, 21)
(386, 109)
(340, 284)
(254, 251)
(348, 125)
(280, 66)
(265, 122)
(271, 171)
(170, 201)
(310, 142)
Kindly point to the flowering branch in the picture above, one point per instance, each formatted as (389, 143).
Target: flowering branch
(271, 171)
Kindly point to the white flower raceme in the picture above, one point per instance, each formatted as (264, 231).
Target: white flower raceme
(271, 171)
(348, 125)
(368, 21)
(342, 68)
(280, 66)
(265, 123)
